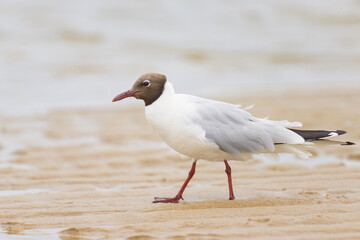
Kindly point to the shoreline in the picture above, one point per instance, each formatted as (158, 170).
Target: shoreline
(93, 173)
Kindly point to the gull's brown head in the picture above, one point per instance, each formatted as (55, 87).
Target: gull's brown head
(148, 87)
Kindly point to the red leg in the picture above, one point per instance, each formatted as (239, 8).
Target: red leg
(228, 172)
(182, 189)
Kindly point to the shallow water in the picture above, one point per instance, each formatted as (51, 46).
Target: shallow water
(36, 234)
(58, 54)
(6, 193)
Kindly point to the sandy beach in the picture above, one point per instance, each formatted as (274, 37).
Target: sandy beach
(93, 173)
(75, 166)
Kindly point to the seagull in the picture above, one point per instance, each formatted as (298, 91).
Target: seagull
(206, 129)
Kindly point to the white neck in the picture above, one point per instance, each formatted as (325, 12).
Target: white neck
(165, 97)
(168, 89)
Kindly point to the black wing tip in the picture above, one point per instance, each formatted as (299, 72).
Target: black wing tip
(340, 132)
(317, 134)
(347, 143)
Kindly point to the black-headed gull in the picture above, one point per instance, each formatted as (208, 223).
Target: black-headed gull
(200, 128)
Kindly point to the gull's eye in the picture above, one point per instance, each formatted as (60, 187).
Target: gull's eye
(146, 83)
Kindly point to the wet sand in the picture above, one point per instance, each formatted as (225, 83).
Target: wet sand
(93, 173)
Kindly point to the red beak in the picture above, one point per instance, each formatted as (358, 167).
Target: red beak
(123, 95)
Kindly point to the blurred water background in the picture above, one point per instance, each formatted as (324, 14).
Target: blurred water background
(66, 53)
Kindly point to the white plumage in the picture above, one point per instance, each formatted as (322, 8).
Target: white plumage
(206, 129)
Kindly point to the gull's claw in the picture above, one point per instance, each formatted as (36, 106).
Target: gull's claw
(167, 200)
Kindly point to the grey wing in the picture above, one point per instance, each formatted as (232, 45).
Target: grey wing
(236, 131)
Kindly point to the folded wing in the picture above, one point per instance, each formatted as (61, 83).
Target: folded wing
(236, 131)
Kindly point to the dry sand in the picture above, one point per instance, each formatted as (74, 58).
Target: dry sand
(93, 173)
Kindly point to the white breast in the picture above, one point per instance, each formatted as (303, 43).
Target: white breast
(168, 116)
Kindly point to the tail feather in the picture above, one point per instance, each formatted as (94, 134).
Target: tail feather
(317, 134)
